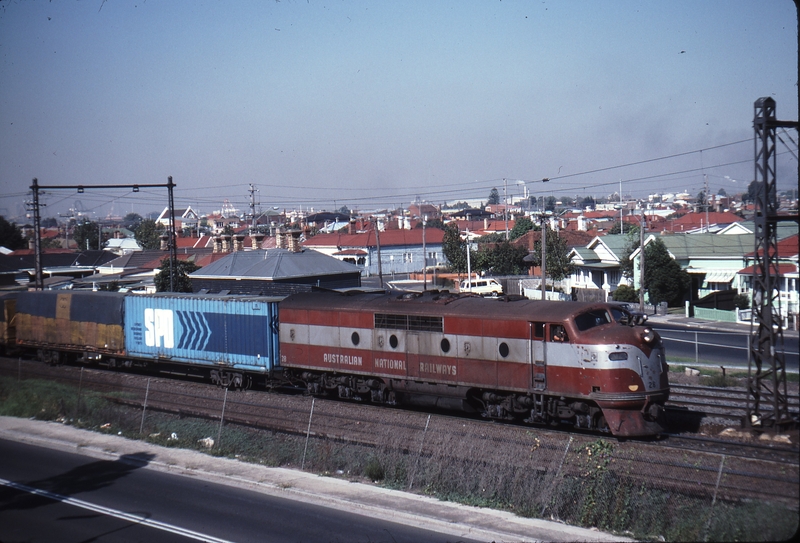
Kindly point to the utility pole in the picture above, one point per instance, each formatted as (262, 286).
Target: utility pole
(253, 204)
(505, 204)
(378, 247)
(642, 227)
(544, 256)
(424, 256)
(706, 200)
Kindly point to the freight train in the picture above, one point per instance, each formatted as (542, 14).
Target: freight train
(591, 365)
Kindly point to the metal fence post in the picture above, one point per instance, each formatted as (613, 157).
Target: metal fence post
(80, 389)
(308, 433)
(416, 462)
(222, 416)
(144, 406)
(696, 350)
(555, 476)
(714, 498)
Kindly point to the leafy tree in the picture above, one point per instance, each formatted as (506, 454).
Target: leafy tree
(531, 201)
(742, 301)
(49, 222)
(86, 235)
(664, 278)
(148, 234)
(494, 197)
(631, 244)
(550, 203)
(588, 201)
(180, 276)
(521, 226)
(11, 235)
(722, 192)
(558, 262)
(501, 258)
(624, 293)
(628, 228)
(454, 248)
(131, 221)
(752, 192)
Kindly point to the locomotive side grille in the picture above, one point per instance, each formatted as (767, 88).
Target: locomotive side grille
(415, 323)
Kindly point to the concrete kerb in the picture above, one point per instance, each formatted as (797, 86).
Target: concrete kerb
(375, 502)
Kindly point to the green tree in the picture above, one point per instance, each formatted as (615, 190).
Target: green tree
(86, 235)
(550, 203)
(631, 244)
(521, 226)
(558, 262)
(501, 258)
(624, 293)
(11, 235)
(148, 234)
(664, 279)
(494, 197)
(180, 276)
(752, 191)
(131, 221)
(454, 248)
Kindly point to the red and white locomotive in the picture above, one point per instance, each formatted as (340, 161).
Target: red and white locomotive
(587, 364)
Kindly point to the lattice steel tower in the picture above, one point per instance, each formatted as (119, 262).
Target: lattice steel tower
(767, 404)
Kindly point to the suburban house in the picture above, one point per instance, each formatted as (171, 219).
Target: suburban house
(400, 250)
(598, 265)
(184, 218)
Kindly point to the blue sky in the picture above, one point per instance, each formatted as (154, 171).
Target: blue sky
(371, 104)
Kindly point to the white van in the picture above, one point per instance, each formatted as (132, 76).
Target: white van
(484, 287)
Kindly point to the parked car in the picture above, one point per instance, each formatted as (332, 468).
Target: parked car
(484, 287)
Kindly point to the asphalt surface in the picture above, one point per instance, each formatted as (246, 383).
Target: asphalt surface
(379, 503)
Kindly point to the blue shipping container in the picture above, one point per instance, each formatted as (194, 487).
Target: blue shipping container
(221, 331)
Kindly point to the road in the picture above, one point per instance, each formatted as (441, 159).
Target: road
(50, 495)
(717, 348)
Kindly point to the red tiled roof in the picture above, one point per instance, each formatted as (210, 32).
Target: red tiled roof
(783, 269)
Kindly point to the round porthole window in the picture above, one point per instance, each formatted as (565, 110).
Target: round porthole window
(503, 350)
(445, 345)
(354, 338)
(393, 341)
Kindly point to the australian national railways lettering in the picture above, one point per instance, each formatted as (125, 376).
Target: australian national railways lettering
(343, 359)
(440, 369)
(390, 364)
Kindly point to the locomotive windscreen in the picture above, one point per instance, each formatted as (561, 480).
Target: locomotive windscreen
(590, 319)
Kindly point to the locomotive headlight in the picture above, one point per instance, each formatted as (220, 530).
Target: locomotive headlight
(648, 335)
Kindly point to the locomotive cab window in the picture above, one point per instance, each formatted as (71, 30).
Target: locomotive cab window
(537, 330)
(590, 319)
(558, 334)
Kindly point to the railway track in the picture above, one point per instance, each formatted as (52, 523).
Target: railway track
(694, 464)
(724, 403)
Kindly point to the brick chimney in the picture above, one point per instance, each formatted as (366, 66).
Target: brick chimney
(226, 243)
(294, 241)
(164, 242)
(280, 238)
(238, 242)
(256, 240)
(351, 227)
(217, 244)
